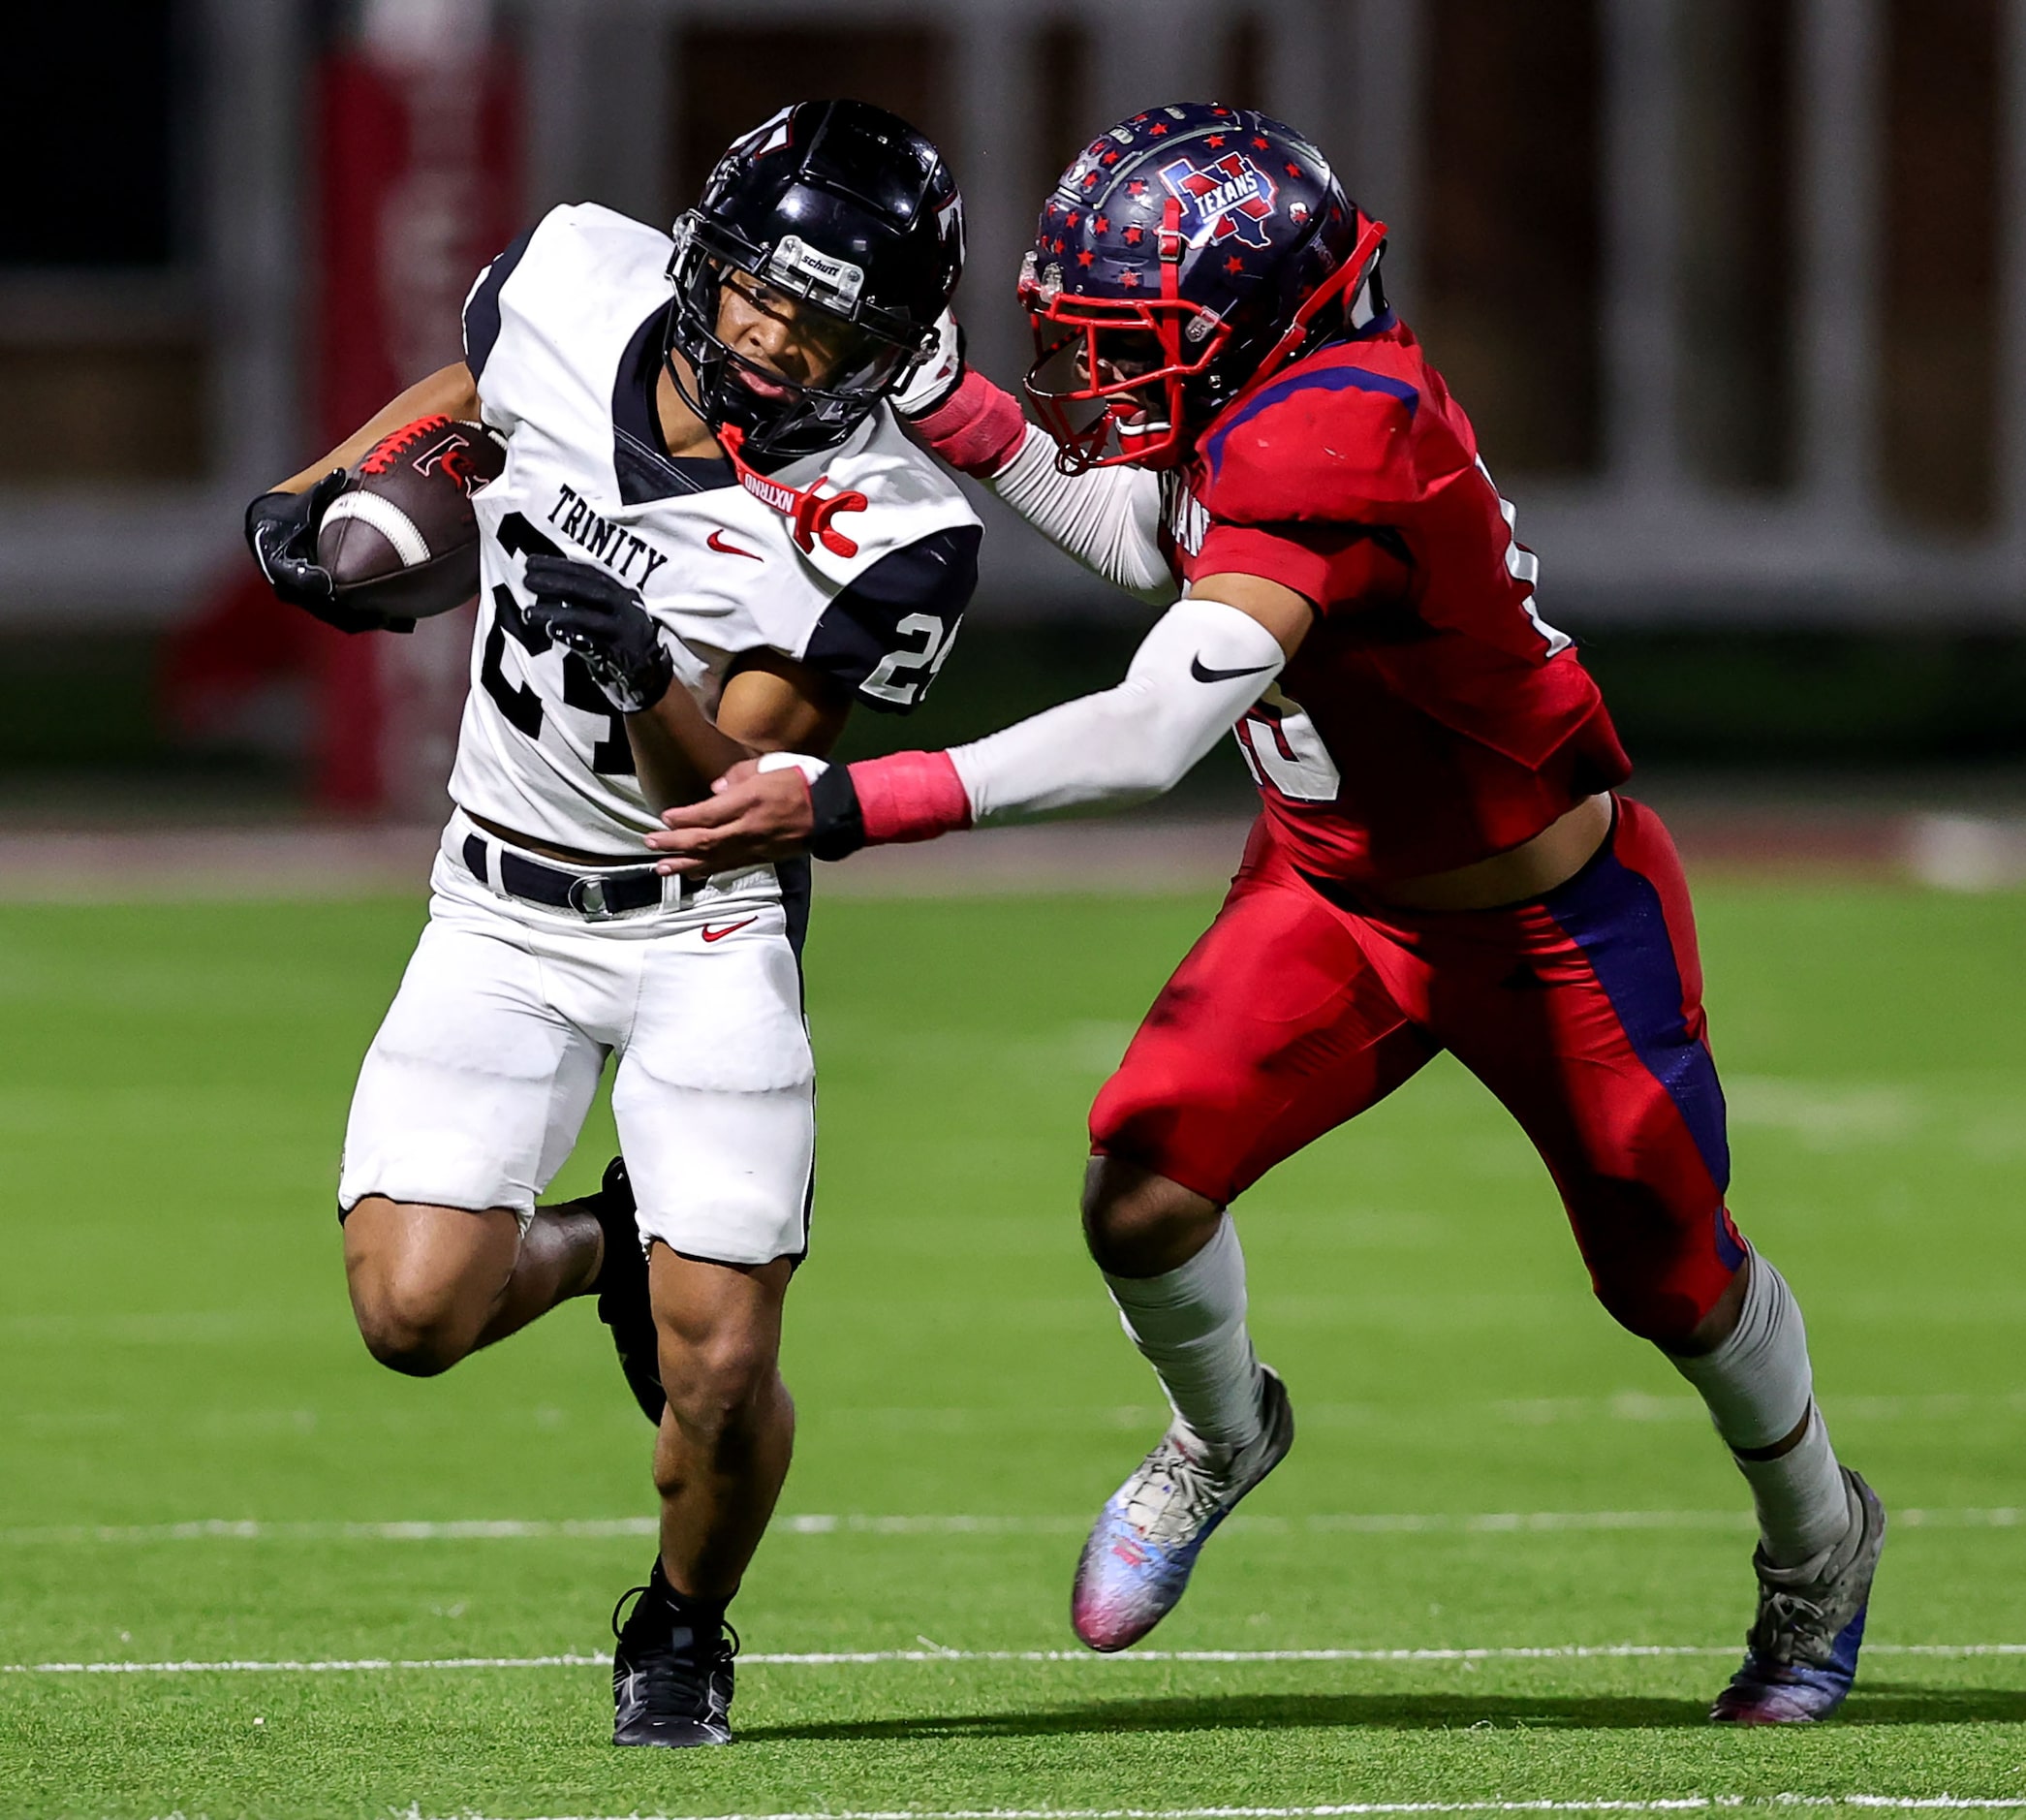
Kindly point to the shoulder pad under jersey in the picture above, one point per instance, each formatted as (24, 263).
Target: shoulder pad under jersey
(887, 494)
(559, 293)
(1332, 440)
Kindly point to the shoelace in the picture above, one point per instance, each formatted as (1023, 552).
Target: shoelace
(1174, 1494)
(630, 1592)
(1791, 1628)
(661, 1668)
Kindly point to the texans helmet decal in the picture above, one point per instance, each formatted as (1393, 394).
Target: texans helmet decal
(1231, 198)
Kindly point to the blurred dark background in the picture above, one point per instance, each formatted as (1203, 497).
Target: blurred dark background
(1732, 288)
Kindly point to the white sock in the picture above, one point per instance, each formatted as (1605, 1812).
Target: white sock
(1190, 1326)
(1758, 1385)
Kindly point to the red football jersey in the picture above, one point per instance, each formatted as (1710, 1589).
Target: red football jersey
(1430, 718)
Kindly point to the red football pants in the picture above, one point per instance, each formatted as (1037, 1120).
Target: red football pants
(1581, 1011)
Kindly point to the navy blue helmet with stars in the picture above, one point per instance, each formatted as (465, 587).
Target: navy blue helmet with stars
(1185, 254)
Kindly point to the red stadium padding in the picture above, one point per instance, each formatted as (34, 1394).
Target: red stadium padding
(418, 185)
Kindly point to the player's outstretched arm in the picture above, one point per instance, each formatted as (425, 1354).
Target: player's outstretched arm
(1207, 660)
(282, 524)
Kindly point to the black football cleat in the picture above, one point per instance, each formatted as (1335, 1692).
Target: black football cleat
(623, 1304)
(672, 1673)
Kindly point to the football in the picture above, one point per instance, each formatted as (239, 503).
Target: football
(402, 540)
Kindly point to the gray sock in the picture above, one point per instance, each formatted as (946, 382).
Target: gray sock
(1803, 1507)
(1190, 1326)
(1758, 1385)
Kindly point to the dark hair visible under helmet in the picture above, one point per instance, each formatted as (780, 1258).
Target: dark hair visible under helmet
(846, 208)
(1186, 253)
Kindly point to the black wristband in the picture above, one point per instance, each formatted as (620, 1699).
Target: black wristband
(840, 827)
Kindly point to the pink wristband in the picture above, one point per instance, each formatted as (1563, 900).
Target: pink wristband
(910, 796)
(978, 430)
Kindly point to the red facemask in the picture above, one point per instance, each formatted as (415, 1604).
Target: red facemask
(1126, 407)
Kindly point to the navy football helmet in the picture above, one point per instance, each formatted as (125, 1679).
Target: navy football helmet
(1187, 254)
(849, 210)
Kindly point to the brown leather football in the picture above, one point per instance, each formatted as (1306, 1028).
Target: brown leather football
(402, 540)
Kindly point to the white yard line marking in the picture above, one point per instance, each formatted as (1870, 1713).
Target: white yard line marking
(861, 1658)
(1686, 1804)
(230, 1529)
(1349, 1523)
(359, 1665)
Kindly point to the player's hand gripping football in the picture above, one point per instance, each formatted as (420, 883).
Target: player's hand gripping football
(604, 621)
(758, 812)
(281, 532)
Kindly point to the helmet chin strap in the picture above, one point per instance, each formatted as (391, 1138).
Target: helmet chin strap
(689, 390)
(1157, 431)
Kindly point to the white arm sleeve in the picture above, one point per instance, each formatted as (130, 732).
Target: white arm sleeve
(1201, 665)
(1108, 519)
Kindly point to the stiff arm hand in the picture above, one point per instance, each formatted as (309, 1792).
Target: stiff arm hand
(758, 812)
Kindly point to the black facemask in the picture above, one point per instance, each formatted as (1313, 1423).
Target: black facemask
(790, 418)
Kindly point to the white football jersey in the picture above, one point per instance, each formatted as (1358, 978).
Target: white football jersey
(858, 563)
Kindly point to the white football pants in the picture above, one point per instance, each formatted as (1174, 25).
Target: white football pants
(478, 1082)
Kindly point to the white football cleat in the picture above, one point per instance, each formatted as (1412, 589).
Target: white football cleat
(1136, 1562)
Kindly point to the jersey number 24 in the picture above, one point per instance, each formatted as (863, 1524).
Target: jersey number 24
(610, 754)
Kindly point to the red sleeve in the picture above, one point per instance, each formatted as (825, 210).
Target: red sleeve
(1322, 562)
(1308, 487)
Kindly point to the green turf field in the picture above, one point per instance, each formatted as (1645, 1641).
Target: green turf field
(1487, 1471)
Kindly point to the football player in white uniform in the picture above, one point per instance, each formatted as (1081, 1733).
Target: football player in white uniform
(707, 503)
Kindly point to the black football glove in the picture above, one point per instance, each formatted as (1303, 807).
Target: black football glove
(281, 532)
(939, 375)
(601, 619)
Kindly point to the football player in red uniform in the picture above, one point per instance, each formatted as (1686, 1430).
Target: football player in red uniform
(1227, 406)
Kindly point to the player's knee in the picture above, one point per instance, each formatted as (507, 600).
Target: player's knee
(1658, 1300)
(1657, 1270)
(717, 1388)
(410, 1325)
(1655, 1312)
(425, 1281)
(1138, 1223)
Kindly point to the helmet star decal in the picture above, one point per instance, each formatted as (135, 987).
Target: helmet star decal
(1231, 197)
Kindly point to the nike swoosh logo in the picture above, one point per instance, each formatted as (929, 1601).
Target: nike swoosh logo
(716, 541)
(731, 928)
(1196, 670)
